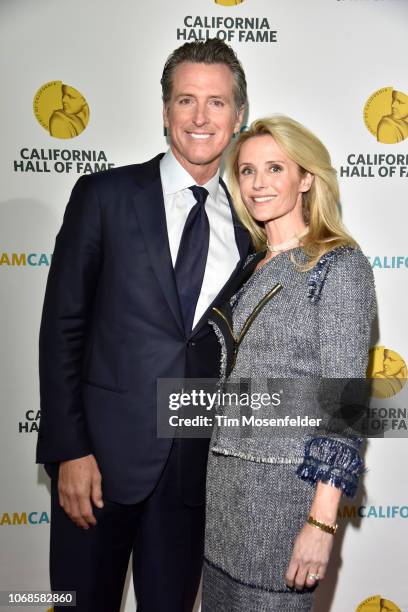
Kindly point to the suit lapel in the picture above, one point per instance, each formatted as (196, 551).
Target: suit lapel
(242, 237)
(149, 206)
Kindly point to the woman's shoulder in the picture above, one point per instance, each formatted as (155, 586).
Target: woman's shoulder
(343, 268)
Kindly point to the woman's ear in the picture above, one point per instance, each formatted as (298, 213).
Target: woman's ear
(306, 182)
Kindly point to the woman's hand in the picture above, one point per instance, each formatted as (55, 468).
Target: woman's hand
(311, 553)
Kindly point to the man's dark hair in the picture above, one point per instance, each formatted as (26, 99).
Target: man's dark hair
(211, 51)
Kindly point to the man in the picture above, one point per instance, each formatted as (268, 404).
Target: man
(73, 118)
(393, 128)
(138, 263)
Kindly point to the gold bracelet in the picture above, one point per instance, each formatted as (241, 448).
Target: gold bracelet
(327, 528)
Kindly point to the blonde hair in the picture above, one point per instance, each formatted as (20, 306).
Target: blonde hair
(321, 211)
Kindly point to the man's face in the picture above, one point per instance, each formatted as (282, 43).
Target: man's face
(392, 365)
(399, 105)
(72, 101)
(201, 116)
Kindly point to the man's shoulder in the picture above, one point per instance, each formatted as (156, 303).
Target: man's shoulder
(122, 176)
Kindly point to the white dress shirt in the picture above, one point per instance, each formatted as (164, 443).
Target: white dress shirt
(223, 254)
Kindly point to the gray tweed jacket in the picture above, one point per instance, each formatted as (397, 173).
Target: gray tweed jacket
(312, 328)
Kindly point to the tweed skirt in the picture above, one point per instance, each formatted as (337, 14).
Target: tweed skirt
(254, 513)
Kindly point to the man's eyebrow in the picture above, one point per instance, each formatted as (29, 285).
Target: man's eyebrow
(191, 95)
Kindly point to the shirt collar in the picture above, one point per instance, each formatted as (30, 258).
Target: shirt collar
(175, 178)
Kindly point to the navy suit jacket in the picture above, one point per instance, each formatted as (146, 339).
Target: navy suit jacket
(112, 326)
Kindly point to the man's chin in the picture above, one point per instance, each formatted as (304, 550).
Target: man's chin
(189, 159)
(203, 160)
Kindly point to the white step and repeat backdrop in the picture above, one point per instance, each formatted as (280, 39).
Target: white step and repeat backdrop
(339, 67)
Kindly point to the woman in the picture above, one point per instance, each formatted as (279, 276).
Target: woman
(305, 313)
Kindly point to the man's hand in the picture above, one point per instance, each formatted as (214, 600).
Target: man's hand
(79, 484)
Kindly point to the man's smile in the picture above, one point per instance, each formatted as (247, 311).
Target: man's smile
(199, 135)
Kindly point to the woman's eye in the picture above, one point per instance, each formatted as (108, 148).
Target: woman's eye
(276, 168)
(246, 170)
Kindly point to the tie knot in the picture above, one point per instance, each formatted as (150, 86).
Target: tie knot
(200, 193)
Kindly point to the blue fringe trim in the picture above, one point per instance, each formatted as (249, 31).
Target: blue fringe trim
(334, 462)
(315, 473)
(335, 452)
(319, 272)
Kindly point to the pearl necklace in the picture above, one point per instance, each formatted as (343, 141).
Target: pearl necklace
(284, 246)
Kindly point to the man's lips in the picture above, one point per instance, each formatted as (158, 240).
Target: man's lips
(200, 135)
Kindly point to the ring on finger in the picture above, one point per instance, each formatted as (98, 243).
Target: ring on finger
(313, 576)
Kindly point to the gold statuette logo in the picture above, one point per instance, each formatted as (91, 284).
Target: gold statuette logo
(388, 372)
(376, 603)
(61, 109)
(228, 2)
(386, 115)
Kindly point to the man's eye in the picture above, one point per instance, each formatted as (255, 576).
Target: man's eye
(185, 100)
(218, 103)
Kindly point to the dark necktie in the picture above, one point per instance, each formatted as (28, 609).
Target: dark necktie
(192, 257)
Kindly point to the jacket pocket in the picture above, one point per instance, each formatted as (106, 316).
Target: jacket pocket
(103, 386)
(105, 363)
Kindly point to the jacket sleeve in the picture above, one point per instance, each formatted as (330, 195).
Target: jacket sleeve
(342, 285)
(71, 287)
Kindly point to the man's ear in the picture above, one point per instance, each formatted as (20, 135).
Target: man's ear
(165, 115)
(306, 182)
(240, 118)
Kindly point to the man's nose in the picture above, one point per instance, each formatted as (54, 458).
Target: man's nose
(200, 114)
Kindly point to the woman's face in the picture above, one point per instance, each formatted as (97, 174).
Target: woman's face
(271, 184)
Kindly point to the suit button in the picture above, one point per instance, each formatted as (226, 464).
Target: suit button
(191, 343)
